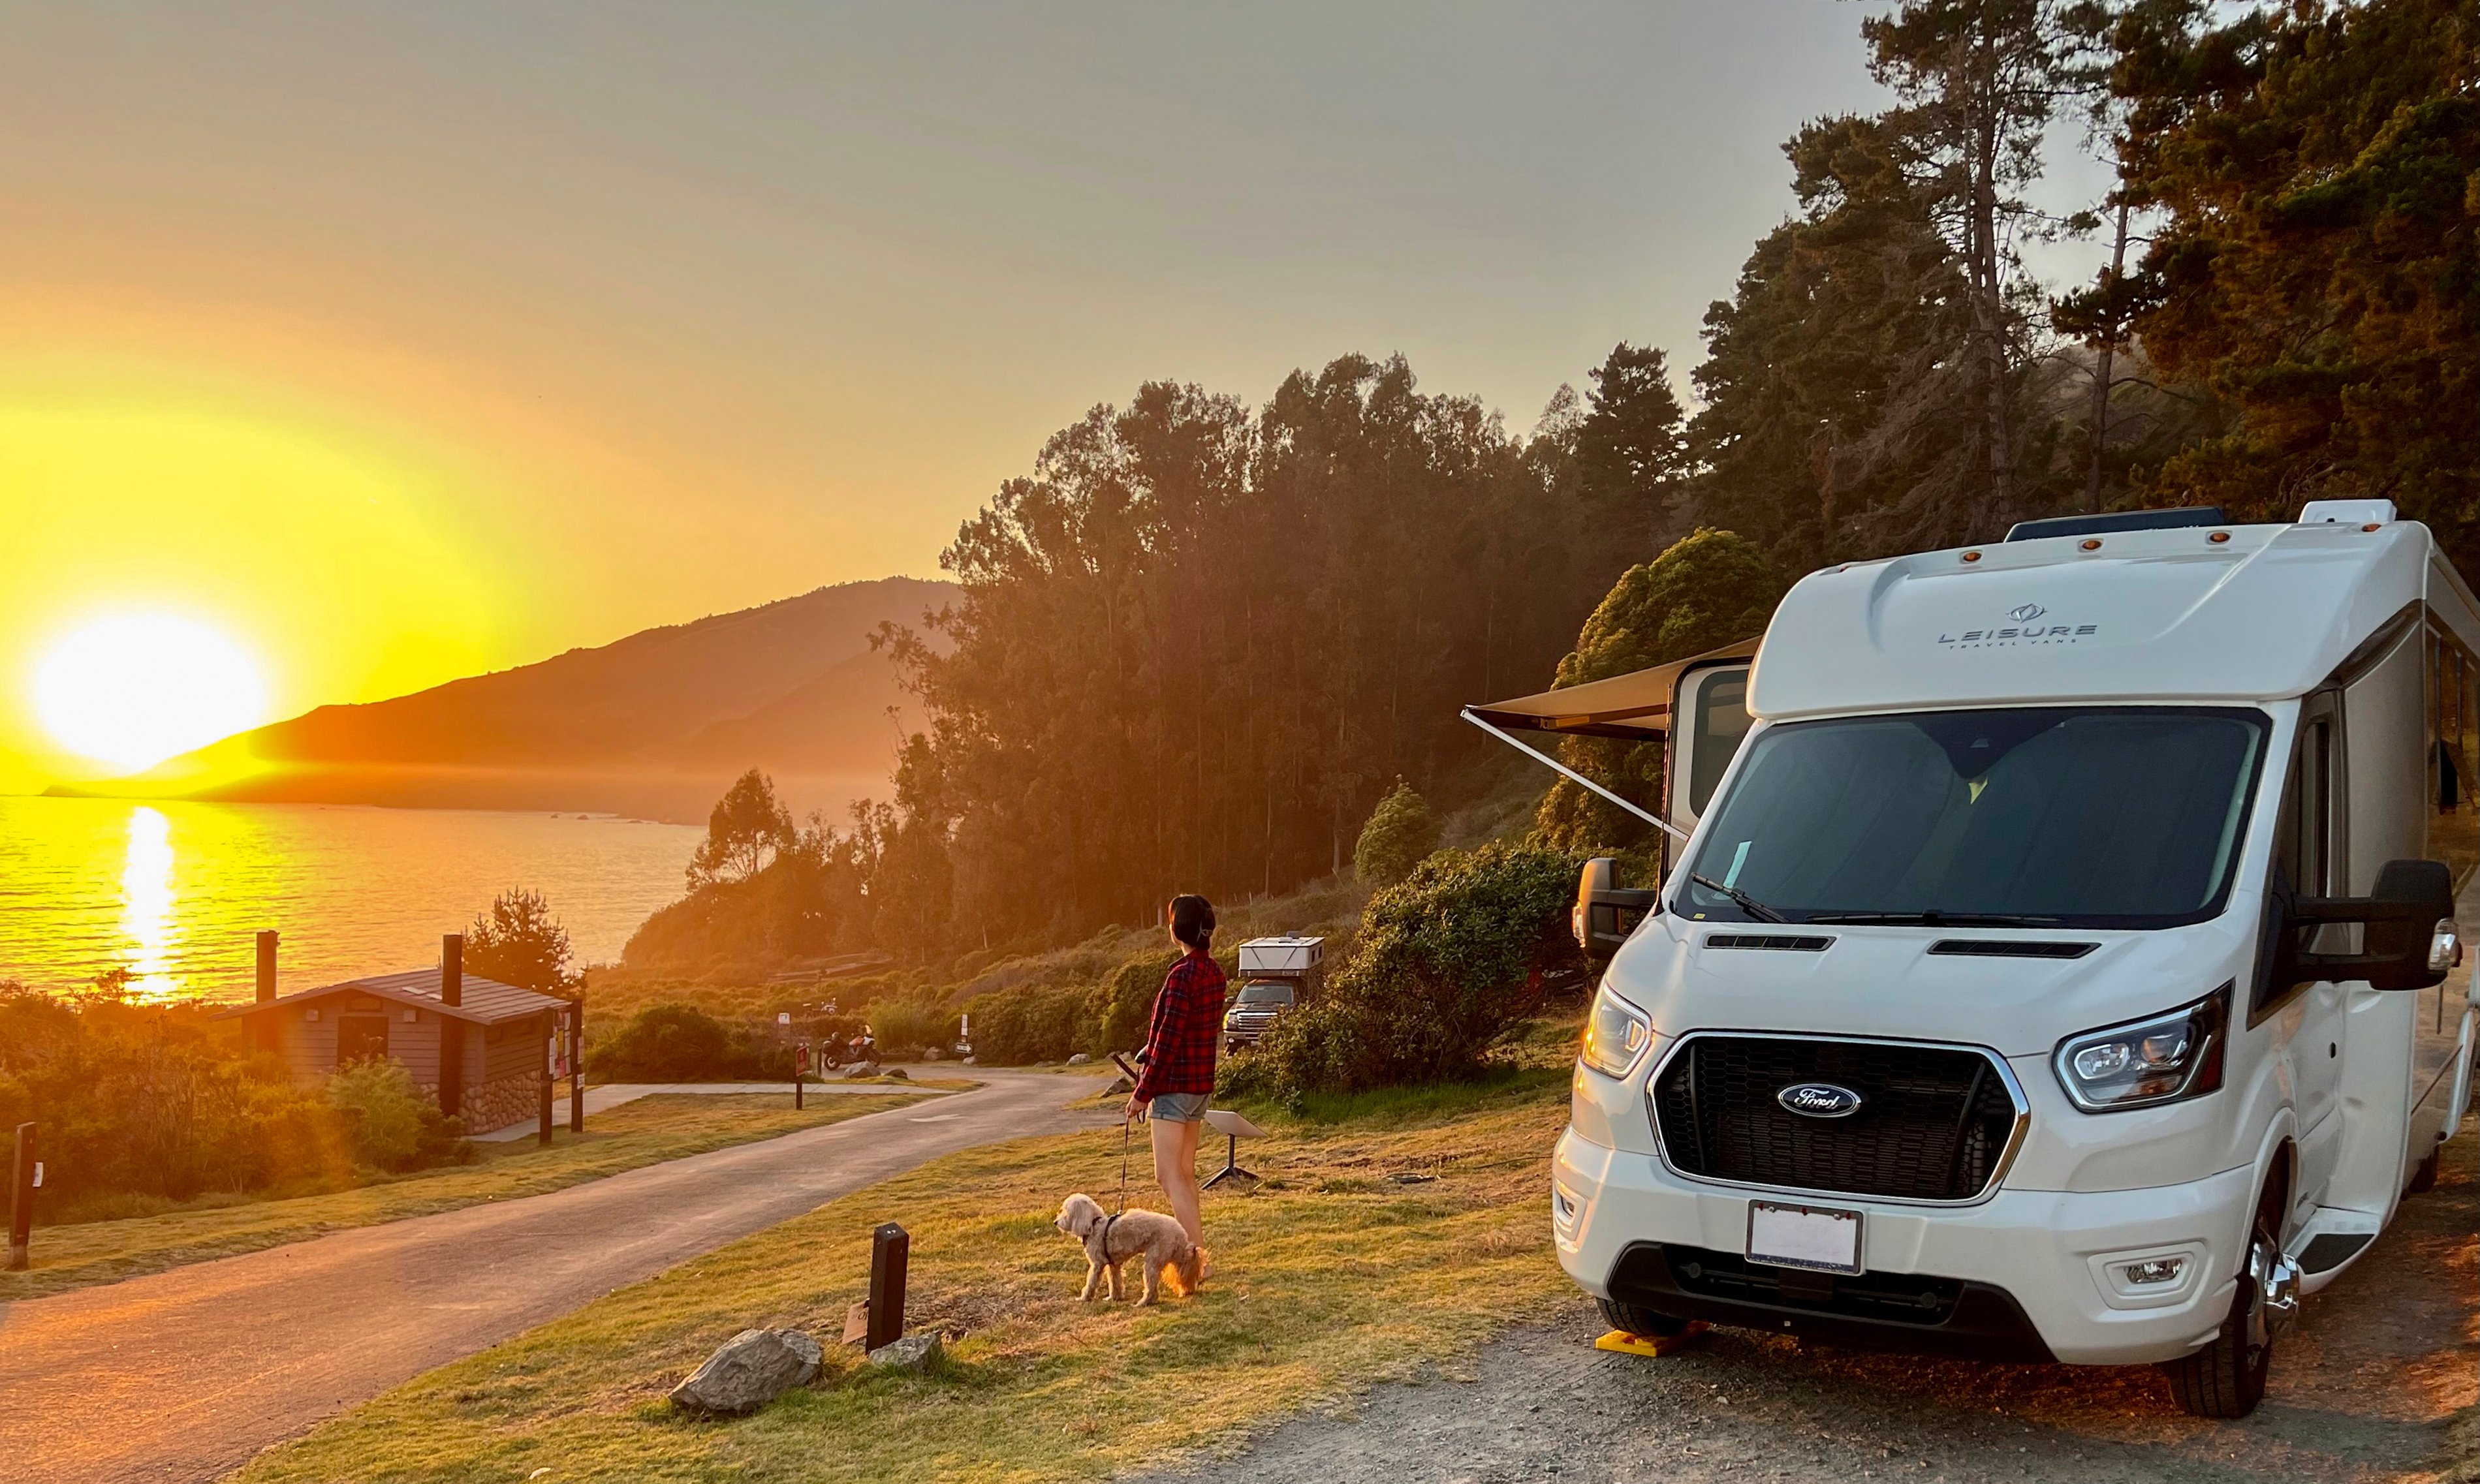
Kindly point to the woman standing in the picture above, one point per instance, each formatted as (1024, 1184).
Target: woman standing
(1179, 1056)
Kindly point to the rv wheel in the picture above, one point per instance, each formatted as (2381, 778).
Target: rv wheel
(2226, 1378)
(1637, 1319)
(2423, 1176)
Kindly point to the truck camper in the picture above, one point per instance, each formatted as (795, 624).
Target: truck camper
(2056, 956)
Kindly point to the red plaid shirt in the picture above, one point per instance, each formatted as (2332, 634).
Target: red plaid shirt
(1187, 1027)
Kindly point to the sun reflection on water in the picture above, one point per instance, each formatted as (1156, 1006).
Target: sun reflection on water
(146, 902)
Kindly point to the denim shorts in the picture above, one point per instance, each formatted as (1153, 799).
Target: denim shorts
(1179, 1107)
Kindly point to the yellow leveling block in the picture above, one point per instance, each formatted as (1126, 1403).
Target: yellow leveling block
(1648, 1346)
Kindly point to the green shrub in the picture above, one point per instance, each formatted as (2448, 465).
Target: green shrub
(674, 1042)
(912, 1023)
(1119, 1010)
(1445, 963)
(392, 1124)
(1018, 1027)
(153, 1102)
(1400, 833)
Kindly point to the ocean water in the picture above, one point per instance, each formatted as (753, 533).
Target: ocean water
(174, 892)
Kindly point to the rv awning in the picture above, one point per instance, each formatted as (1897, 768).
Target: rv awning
(1635, 705)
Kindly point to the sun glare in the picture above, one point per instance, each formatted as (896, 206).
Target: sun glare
(134, 690)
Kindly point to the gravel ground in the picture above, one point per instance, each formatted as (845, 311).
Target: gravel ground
(2363, 1390)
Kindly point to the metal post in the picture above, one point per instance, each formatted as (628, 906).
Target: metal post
(576, 1066)
(24, 1176)
(889, 1247)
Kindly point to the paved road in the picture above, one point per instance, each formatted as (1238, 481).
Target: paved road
(2362, 1391)
(611, 1094)
(186, 1374)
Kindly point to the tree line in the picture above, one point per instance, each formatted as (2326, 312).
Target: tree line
(1199, 638)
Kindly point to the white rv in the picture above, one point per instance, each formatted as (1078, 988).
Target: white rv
(2061, 966)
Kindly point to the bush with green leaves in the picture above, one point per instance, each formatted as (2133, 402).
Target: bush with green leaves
(142, 1106)
(1120, 1010)
(1400, 833)
(911, 1024)
(1019, 1026)
(1050, 1022)
(1447, 962)
(676, 1043)
(392, 1124)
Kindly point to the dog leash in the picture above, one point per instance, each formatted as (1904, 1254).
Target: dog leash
(1128, 1128)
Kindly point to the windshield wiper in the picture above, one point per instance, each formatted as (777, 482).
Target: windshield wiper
(1740, 899)
(1933, 918)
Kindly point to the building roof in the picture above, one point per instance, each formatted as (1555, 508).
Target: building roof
(486, 1001)
(2262, 613)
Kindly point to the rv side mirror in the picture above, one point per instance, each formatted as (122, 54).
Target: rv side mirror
(2407, 935)
(1606, 913)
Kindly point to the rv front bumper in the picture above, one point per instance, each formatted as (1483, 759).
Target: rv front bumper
(2023, 1275)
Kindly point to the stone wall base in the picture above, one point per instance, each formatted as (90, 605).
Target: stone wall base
(495, 1105)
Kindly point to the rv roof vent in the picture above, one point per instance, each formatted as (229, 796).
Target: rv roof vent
(2008, 948)
(1780, 942)
(2347, 512)
(2172, 518)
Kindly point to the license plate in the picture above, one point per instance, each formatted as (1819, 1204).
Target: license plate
(1812, 1236)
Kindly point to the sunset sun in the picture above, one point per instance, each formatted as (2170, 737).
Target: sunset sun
(136, 689)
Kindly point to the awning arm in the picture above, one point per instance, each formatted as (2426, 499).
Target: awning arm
(1553, 763)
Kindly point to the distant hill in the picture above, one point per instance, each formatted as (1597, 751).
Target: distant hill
(654, 725)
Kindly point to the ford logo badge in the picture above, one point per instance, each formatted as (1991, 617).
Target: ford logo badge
(1819, 1100)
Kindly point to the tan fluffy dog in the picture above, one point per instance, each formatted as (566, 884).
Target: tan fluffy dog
(1110, 1241)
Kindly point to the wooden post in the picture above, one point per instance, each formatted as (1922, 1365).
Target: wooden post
(800, 1065)
(551, 1054)
(576, 1065)
(889, 1247)
(21, 1201)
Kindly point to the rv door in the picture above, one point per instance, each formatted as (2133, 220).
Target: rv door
(1709, 720)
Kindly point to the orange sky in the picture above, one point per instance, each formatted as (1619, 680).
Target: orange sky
(401, 343)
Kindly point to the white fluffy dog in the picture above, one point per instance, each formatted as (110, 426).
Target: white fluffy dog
(1110, 1241)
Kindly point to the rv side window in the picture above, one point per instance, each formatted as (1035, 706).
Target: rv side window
(1721, 726)
(2303, 850)
(2453, 770)
(2306, 839)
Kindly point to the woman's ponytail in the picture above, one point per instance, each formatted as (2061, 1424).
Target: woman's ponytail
(1191, 922)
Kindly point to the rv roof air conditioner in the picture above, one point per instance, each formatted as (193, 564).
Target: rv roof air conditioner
(2347, 512)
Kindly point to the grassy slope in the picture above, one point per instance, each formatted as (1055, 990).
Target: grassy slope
(645, 1131)
(1333, 1274)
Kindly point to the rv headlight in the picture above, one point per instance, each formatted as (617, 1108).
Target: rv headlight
(2144, 1062)
(1616, 1034)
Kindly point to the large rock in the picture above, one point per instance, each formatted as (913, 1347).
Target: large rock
(913, 1352)
(751, 1369)
(860, 1069)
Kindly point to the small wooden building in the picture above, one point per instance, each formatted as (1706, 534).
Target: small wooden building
(482, 1047)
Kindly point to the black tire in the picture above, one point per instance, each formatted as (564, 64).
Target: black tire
(2226, 1378)
(2423, 1176)
(1637, 1319)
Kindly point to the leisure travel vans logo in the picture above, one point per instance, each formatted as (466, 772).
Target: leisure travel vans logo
(2024, 627)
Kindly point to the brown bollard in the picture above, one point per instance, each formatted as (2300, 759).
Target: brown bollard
(542, 1134)
(24, 1176)
(889, 1249)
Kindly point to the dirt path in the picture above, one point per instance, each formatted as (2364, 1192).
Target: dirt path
(186, 1374)
(2362, 1391)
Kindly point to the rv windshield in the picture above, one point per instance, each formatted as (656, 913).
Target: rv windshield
(2125, 817)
